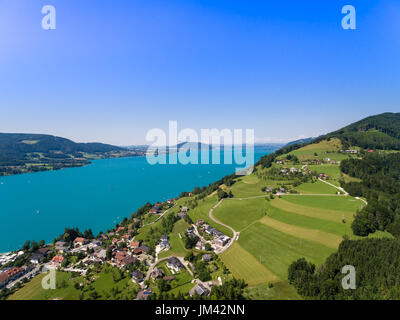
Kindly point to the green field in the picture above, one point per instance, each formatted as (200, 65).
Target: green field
(245, 266)
(316, 187)
(104, 284)
(338, 228)
(277, 250)
(342, 203)
(281, 290)
(240, 213)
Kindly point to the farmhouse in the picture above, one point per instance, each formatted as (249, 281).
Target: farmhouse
(174, 264)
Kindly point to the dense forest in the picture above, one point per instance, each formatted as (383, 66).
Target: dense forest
(376, 132)
(377, 271)
(380, 185)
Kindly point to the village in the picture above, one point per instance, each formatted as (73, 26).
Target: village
(120, 250)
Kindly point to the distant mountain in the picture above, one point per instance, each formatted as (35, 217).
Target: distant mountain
(20, 152)
(299, 141)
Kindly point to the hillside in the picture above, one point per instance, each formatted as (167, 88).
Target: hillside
(21, 153)
(305, 211)
(375, 132)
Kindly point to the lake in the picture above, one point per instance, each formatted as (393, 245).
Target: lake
(38, 206)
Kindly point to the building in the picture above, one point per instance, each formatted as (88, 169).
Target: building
(134, 244)
(11, 275)
(222, 241)
(175, 264)
(199, 222)
(137, 276)
(200, 245)
(157, 273)
(61, 246)
(37, 258)
(79, 241)
(181, 215)
(200, 289)
(206, 257)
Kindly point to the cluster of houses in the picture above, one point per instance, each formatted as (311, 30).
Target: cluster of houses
(11, 274)
(219, 239)
(183, 212)
(158, 207)
(9, 257)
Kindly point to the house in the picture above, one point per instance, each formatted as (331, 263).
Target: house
(127, 261)
(79, 241)
(268, 189)
(137, 276)
(61, 246)
(157, 273)
(145, 249)
(153, 211)
(208, 230)
(200, 289)
(293, 170)
(169, 278)
(199, 222)
(164, 237)
(279, 161)
(200, 245)
(370, 151)
(222, 241)
(101, 254)
(44, 251)
(37, 258)
(181, 215)
(185, 209)
(134, 244)
(206, 257)
(137, 251)
(119, 256)
(56, 261)
(175, 264)
(120, 229)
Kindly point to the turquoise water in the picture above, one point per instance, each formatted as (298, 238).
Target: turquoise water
(38, 206)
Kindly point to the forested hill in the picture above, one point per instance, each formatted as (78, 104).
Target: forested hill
(381, 131)
(20, 153)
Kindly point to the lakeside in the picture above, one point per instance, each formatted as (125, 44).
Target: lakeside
(96, 196)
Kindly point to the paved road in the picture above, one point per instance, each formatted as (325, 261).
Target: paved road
(161, 215)
(235, 234)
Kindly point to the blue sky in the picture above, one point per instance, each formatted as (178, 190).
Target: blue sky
(112, 70)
